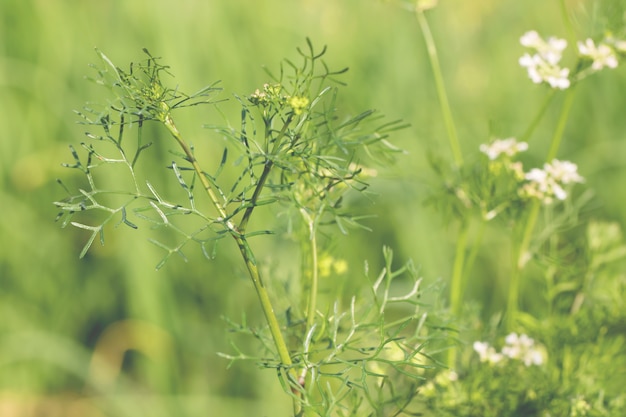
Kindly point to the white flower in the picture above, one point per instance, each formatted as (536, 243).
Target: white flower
(531, 39)
(517, 347)
(618, 44)
(543, 65)
(508, 146)
(549, 51)
(522, 348)
(548, 182)
(539, 70)
(542, 186)
(602, 55)
(533, 357)
(487, 353)
(552, 53)
(557, 77)
(564, 172)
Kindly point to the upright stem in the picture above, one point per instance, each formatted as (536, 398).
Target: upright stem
(521, 257)
(312, 302)
(522, 254)
(571, 33)
(441, 88)
(266, 304)
(476, 245)
(542, 111)
(456, 285)
(245, 250)
(560, 127)
(266, 171)
(171, 127)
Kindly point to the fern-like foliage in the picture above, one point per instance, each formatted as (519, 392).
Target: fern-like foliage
(139, 97)
(291, 147)
(367, 358)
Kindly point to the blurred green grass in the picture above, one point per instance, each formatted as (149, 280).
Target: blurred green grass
(51, 304)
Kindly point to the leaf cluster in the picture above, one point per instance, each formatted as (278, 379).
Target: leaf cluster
(291, 146)
(368, 358)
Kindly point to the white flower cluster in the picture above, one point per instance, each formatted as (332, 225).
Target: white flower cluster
(509, 147)
(618, 45)
(543, 64)
(547, 183)
(544, 184)
(602, 55)
(518, 347)
(487, 353)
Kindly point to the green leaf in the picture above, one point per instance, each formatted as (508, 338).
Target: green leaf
(95, 231)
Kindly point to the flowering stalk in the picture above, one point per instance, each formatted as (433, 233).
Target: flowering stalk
(521, 254)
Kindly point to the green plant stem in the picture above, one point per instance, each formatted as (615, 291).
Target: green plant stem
(571, 33)
(471, 258)
(312, 302)
(267, 168)
(441, 89)
(270, 316)
(314, 285)
(542, 111)
(246, 252)
(266, 304)
(560, 127)
(457, 270)
(456, 284)
(171, 127)
(522, 256)
(453, 139)
(522, 253)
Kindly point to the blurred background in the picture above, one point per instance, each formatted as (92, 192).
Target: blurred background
(163, 329)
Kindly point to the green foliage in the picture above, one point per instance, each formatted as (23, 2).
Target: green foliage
(367, 358)
(293, 148)
(301, 153)
(139, 97)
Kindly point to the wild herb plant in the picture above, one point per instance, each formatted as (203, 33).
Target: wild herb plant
(295, 154)
(556, 371)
